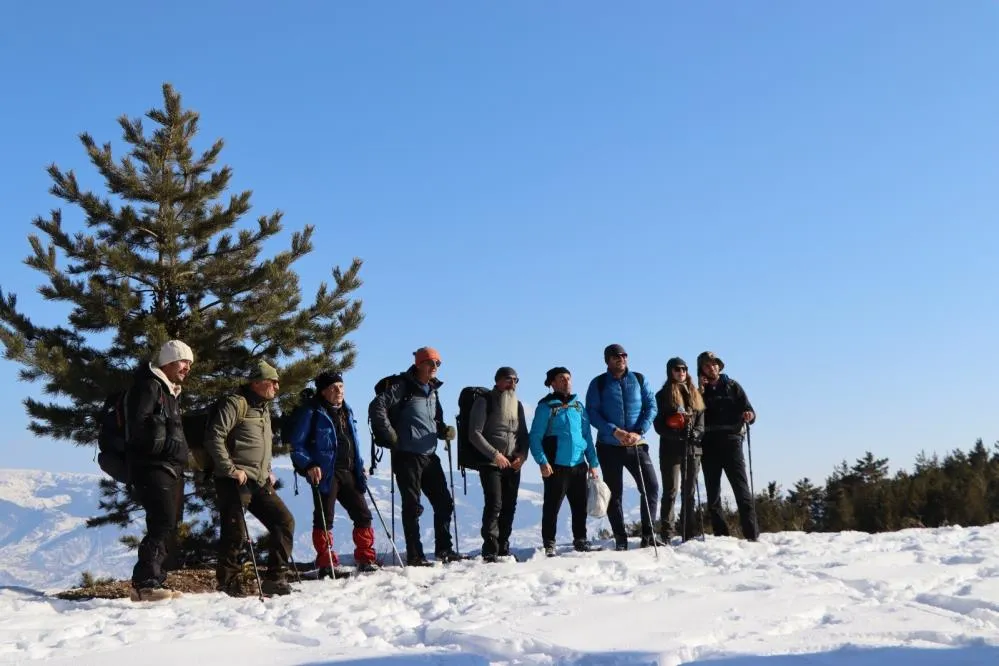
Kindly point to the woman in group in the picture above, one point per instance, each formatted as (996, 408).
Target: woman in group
(680, 424)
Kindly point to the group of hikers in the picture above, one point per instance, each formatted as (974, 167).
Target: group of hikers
(700, 427)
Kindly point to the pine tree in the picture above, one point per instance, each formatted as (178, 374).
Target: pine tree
(160, 258)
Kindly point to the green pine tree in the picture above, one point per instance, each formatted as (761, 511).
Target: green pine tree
(161, 257)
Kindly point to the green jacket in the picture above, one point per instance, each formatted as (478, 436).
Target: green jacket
(244, 421)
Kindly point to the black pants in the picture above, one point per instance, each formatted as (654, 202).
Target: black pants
(263, 503)
(161, 493)
(499, 491)
(564, 482)
(677, 479)
(417, 474)
(343, 489)
(614, 460)
(725, 454)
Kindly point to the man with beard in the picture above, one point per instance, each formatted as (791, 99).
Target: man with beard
(497, 428)
(157, 453)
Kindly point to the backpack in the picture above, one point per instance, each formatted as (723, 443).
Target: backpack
(602, 381)
(378, 445)
(112, 437)
(196, 433)
(469, 455)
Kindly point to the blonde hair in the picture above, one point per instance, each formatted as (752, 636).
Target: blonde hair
(685, 394)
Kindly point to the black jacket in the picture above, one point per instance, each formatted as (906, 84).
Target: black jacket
(673, 441)
(156, 433)
(724, 404)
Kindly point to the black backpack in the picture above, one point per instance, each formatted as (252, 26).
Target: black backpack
(112, 437)
(378, 445)
(469, 456)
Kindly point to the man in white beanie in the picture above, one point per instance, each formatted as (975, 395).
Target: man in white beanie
(157, 454)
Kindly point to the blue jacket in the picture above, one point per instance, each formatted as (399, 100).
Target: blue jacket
(317, 446)
(623, 403)
(569, 425)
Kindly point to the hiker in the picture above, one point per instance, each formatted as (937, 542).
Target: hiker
(727, 411)
(408, 416)
(324, 449)
(239, 439)
(561, 443)
(157, 454)
(498, 429)
(621, 407)
(680, 424)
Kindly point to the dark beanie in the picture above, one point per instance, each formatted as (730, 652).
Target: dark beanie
(613, 350)
(505, 371)
(327, 378)
(555, 372)
(675, 362)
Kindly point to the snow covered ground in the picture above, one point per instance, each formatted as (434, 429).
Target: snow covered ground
(927, 597)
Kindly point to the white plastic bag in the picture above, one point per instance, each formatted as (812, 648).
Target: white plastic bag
(597, 497)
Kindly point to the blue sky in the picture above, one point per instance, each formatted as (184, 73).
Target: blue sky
(807, 189)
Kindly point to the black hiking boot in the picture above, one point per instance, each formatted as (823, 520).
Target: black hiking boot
(448, 556)
(275, 587)
(504, 549)
(418, 561)
(648, 541)
(621, 544)
(489, 558)
(368, 567)
(582, 546)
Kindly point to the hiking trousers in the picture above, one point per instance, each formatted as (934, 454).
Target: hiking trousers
(564, 482)
(160, 491)
(499, 492)
(724, 454)
(263, 503)
(422, 474)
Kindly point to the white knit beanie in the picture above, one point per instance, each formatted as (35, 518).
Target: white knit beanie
(175, 350)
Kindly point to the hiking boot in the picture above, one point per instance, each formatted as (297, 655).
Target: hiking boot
(582, 546)
(447, 556)
(621, 544)
(272, 587)
(233, 588)
(504, 549)
(490, 558)
(648, 541)
(418, 561)
(550, 550)
(159, 593)
(368, 567)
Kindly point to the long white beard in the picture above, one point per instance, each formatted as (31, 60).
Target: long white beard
(508, 406)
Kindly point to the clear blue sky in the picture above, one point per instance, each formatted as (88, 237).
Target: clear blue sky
(808, 189)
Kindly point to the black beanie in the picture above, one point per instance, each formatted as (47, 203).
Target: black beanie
(505, 371)
(327, 378)
(555, 372)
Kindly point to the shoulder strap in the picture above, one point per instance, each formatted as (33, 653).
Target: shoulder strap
(241, 407)
(601, 382)
(641, 380)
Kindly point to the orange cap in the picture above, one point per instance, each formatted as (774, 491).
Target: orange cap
(426, 354)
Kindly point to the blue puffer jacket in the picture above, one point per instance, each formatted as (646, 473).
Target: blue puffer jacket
(624, 403)
(320, 450)
(569, 425)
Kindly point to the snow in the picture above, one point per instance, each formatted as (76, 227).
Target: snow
(926, 596)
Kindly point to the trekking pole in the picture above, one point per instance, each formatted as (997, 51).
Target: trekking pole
(385, 527)
(454, 509)
(700, 508)
(645, 498)
(752, 486)
(684, 499)
(392, 491)
(328, 538)
(253, 556)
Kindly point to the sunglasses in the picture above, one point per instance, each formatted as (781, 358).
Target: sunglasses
(435, 363)
(515, 380)
(680, 369)
(619, 355)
